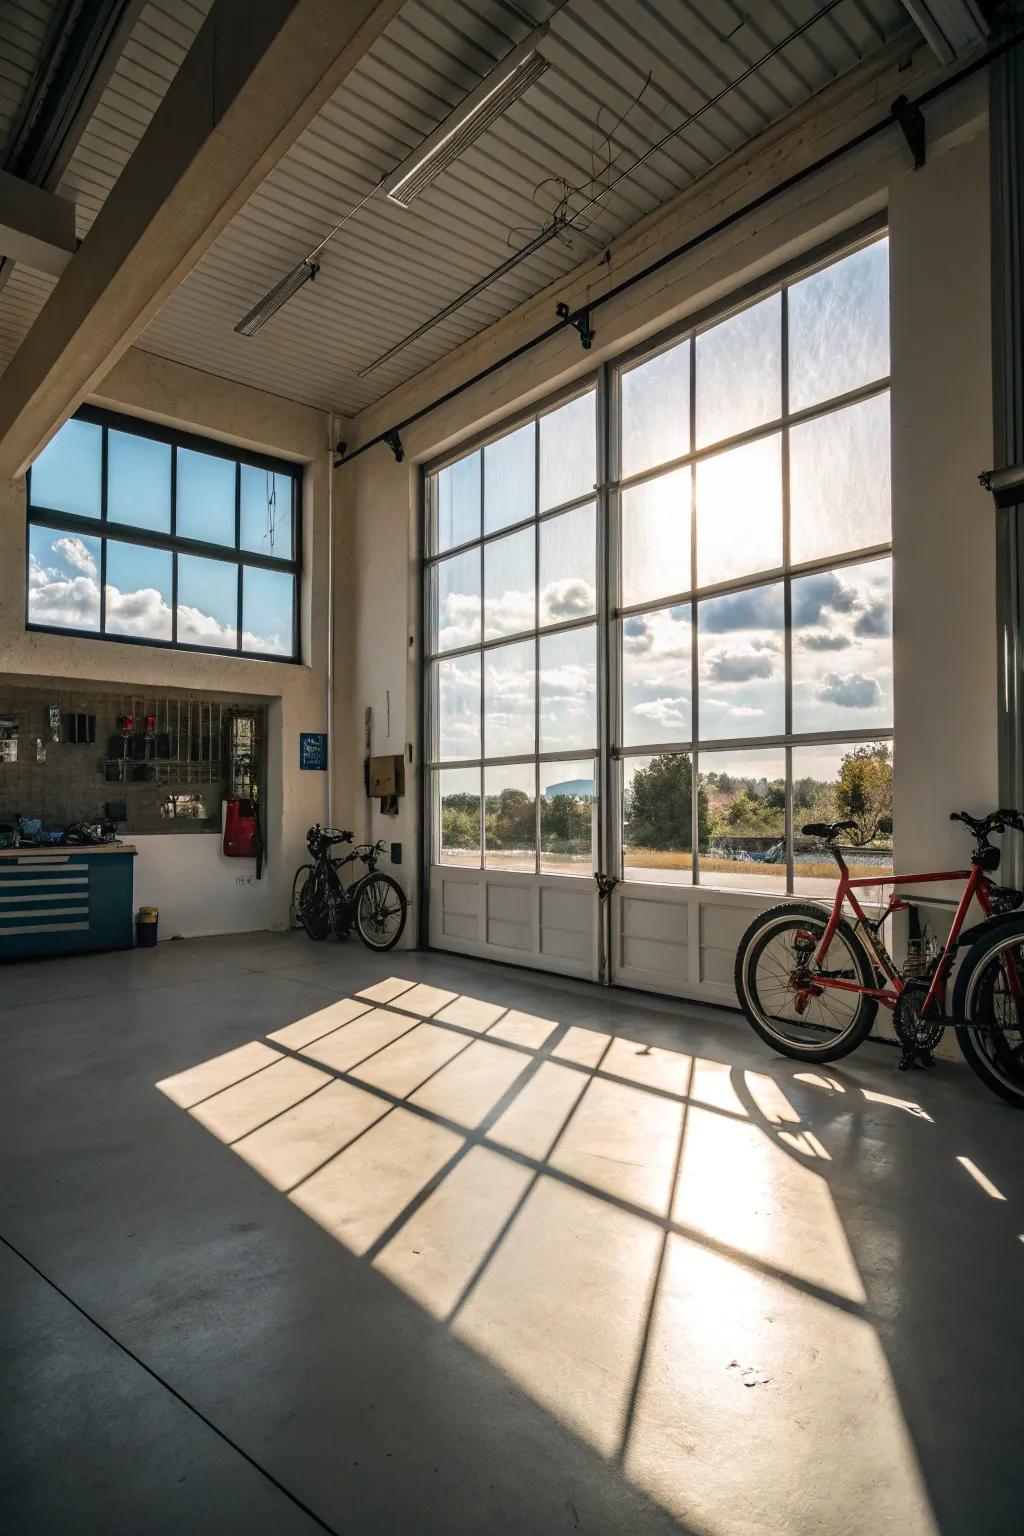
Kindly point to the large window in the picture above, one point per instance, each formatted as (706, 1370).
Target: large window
(755, 586)
(726, 569)
(513, 601)
(141, 534)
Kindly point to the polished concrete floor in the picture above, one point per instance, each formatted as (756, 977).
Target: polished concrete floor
(295, 1238)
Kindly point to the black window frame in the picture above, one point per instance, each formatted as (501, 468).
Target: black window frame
(104, 529)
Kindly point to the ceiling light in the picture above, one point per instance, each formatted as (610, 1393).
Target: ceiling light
(271, 302)
(496, 92)
(505, 83)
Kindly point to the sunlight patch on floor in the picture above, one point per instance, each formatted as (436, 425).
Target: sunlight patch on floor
(642, 1240)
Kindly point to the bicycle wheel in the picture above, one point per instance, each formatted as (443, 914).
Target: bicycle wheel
(988, 1007)
(775, 984)
(302, 874)
(380, 911)
(314, 907)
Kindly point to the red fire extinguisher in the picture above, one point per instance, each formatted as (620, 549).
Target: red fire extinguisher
(241, 829)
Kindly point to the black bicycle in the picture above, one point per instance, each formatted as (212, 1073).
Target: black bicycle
(374, 904)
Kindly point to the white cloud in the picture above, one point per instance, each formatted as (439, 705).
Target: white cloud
(850, 690)
(76, 554)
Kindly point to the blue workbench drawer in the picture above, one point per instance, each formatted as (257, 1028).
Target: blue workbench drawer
(63, 900)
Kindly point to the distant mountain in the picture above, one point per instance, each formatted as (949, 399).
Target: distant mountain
(569, 787)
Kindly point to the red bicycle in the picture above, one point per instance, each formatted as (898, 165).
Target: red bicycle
(810, 982)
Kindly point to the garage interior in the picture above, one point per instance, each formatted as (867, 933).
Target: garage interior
(568, 448)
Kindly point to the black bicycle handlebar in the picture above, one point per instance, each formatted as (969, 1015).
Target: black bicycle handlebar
(995, 821)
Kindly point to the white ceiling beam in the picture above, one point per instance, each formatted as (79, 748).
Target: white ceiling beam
(253, 80)
(949, 27)
(36, 227)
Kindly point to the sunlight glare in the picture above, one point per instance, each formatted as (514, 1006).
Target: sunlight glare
(295, 1144)
(981, 1179)
(251, 1103)
(387, 990)
(188, 1088)
(471, 1013)
(315, 1025)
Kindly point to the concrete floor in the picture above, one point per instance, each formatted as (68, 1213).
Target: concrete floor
(281, 1256)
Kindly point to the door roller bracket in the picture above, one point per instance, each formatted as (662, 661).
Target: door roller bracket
(580, 321)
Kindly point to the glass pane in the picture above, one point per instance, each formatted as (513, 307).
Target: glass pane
(568, 452)
(457, 796)
(266, 512)
(457, 498)
(741, 819)
(63, 579)
(739, 372)
(568, 566)
(839, 327)
(842, 648)
(842, 783)
(510, 817)
(68, 474)
(568, 690)
(742, 664)
(839, 492)
(657, 826)
(510, 683)
(458, 707)
(205, 497)
(739, 511)
(509, 601)
(510, 489)
(457, 598)
(138, 591)
(656, 410)
(207, 602)
(138, 481)
(268, 604)
(567, 818)
(656, 676)
(656, 538)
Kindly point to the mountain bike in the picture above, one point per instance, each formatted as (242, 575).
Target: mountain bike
(374, 904)
(810, 982)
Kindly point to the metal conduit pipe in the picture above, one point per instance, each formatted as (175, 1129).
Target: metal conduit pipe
(580, 316)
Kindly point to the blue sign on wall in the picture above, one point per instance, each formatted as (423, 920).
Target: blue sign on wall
(312, 750)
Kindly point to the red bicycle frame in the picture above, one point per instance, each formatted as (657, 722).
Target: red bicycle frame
(977, 885)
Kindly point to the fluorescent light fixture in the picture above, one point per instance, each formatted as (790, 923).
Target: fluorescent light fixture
(271, 302)
(505, 83)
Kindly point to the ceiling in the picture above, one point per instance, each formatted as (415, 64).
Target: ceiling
(390, 269)
(151, 57)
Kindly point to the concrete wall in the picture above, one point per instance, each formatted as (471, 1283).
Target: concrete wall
(296, 696)
(943, 531)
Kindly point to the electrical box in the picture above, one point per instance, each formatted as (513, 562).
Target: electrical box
(387, 776)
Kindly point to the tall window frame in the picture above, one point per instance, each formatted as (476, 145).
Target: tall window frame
(531, 764)
(786, 740)
(615, 754)
(234, 555)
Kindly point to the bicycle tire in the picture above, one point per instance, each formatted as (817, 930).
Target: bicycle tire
(373, 909)
(302, 874)
(841, 1036)
(314, 909)
(982, 1040)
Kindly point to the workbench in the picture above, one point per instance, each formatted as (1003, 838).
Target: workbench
(63, 900)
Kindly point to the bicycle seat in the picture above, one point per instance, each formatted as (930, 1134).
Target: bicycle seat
(829, 830)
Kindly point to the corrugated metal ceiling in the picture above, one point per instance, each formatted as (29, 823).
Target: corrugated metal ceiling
(152, 55)
(23, 30)
(389, 269)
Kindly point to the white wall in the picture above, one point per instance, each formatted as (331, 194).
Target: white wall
(943, 535)
(296, 696)
(198, 890)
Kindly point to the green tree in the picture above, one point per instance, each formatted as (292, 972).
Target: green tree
(864, 791)
(658, 804)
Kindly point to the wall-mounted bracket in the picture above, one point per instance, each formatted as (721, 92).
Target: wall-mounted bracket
(394, 442)
(1005, 485)
(911, 121)
(340, 449)
(580, 321)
